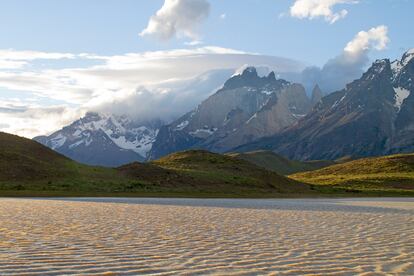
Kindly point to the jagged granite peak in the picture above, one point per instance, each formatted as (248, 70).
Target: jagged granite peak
(407, 57)
(371, 116)
(249, 77)
(104, 139)
(317, 94)
(246, 108)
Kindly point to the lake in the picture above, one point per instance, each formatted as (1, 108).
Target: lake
(206, 236)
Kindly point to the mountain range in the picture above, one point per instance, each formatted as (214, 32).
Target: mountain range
(246, 108)
(371, 116)
(106, 140)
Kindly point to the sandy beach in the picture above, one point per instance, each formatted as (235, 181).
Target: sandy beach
(207, 236)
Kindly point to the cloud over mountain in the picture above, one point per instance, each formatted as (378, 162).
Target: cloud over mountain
(348, 65)
(146, 84)
(177, 18)
(319, 8)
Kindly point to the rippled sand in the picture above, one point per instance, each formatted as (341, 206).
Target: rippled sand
(199, 237)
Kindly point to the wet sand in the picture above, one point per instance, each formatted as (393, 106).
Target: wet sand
(207, 236)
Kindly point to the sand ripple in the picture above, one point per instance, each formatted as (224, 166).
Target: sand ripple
(54, 237)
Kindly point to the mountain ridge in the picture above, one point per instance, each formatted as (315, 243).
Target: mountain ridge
(101, 139)
(370, 117)
(247, 107)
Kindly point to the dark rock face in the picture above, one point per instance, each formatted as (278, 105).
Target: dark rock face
(248, 107)
(371, 116)
(317, 95)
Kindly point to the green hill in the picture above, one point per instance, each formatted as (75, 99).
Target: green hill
(274, 162)
(226, 173)
(22, 159)
(394, 172)
(28, 168)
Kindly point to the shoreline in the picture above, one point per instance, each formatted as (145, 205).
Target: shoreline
(321, 195)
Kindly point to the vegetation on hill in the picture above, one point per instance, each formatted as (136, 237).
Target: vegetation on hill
(29, 168)
(394, 172)
(23, 159)
(277, 163)
(227, 173)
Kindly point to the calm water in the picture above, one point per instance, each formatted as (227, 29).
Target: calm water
(206, 236)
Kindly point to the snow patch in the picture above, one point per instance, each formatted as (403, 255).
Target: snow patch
(400, 95)
(124, 133)
(298, 116)
(74, 145)
(182, 125)
(203, 132)
(77, 133)
(338, 102)
(139, 140)
(251, 118)
(267, 92)
(58, 141)
(408, 56)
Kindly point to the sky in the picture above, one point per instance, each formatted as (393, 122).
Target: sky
(59, 59)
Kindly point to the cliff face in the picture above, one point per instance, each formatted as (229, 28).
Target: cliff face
(248, 107)
(371, 116)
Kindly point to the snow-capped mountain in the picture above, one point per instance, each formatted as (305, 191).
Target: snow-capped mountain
(101, 139)
(247, 107)
(111, 140)
(371, 116)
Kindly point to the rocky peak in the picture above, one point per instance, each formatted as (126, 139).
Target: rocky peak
(250, 78)
(90, 117)
(316, 95)
(250, 72)
(110, 134)
(407, 57)
(380, 69)
(398, 66)
(271, 76)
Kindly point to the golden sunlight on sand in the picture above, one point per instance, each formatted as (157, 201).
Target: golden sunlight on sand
(218, 237)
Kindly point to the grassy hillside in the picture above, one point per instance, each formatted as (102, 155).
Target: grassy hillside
(394, 172)
(274, 162)
(29, 168)
(23, 159)
(225, 173)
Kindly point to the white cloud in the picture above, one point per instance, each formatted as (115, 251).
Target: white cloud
(350, 64)
(158, 83)
(31, 120)
(12, 64)
(13, 59)
(194, 43)
(32, 55)
(319, 8)
(223, 16)
(126, 72)
(53, 84)
(375, 38)
(177, 18)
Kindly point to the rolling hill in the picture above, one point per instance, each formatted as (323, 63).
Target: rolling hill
(31, 169)
(225, 172)
(277, 163)
(393, 172)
